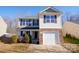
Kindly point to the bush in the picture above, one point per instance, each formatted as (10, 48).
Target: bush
(1, 41)
(26, 38)
(14, 39)
(30, 41)
(68, 36)
(71, 39)
(6, 40)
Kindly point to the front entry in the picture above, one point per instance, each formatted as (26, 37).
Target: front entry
(33, 35)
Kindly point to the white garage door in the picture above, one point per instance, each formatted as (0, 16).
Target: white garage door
(49, 38)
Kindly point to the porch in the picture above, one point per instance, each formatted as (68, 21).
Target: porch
(33, 35)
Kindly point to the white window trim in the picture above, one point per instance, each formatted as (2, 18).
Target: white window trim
(49, 19)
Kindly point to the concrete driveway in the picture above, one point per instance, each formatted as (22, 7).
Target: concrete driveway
(33, 48)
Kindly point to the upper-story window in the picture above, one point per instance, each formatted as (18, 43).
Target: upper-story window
(29, 22)
(35, 22)
(46, 18)
(22, 22)
(50, 18)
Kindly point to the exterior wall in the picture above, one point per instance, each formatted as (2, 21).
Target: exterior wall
(57, 25)
(3, 26)
(71, 28)
(50, 30)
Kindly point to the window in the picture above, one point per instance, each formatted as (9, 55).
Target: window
(35, 23)
(50, 18)
(53, 19)
(28, 22)
(46, 19)
(22, 22)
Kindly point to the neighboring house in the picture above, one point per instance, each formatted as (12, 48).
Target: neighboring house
(71, 27)
(3, 26)
(11, 25)
(45, 29)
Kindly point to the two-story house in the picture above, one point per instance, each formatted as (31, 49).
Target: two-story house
(45, 29)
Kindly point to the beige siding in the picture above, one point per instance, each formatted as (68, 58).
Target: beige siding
(57, 25)
(71, 28)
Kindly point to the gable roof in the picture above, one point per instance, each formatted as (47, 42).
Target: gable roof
(50, 9)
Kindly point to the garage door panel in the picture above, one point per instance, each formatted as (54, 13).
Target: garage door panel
(49, 38)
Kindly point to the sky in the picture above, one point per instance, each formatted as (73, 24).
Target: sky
(16, 11)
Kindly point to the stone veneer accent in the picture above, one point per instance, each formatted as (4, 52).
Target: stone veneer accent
(50, 30)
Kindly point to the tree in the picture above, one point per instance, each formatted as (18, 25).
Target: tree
(14, 39)
(26, 38)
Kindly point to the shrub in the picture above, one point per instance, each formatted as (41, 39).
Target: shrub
(26, 38)
(1, 41)
(30, 41)
(14, 39)
(71, 39)
(68, 35)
